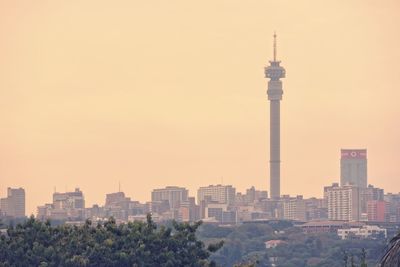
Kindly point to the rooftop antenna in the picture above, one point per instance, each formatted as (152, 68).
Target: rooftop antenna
(274, 46)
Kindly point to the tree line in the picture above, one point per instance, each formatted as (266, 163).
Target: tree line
(36, 243)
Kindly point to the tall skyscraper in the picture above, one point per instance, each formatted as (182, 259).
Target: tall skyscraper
(274, 72)
(353, 167)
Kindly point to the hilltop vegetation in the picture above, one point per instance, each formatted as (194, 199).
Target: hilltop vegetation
(35, 243)
(246, 243)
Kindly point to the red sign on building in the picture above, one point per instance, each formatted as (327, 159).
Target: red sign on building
(354, 153)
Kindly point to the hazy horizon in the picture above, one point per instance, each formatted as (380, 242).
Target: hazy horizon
(156, 93)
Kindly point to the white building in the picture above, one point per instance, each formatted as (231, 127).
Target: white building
(273, 243)
(343, 202)
(366, 231)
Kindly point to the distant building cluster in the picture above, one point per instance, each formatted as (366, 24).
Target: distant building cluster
(348, 208)
(68, 205)
(353, 200)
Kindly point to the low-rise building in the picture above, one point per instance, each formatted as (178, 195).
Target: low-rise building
(366, 231)
(315, 227)
(274, 243)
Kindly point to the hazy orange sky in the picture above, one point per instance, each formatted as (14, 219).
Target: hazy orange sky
(156, 93)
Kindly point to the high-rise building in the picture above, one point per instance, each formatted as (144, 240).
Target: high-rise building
(394, 206)
(68, 205)
(377, 210)
(173, 194)
(343, 202)
(353, 167)
(117, 205)
(117, 199)
(368, 194)
(294, 208)
(14, 204)
(69, 200)
(189, 211)
(316, 209)
(223, 194)
(275, 72)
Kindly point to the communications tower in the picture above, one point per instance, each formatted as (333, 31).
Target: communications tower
(274, 72)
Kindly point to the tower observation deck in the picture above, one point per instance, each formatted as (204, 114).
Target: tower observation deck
(275, 72)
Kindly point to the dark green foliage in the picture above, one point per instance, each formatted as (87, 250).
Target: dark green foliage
(363, 258)
(246, 244)
(392, 255)
(345, 258)
(35, 243)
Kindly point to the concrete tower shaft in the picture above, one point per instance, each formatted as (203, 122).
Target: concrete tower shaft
(275, 72)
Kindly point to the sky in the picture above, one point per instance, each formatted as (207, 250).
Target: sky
(155, 93)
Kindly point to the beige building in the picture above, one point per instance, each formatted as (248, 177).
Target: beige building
(294, 208)
(14, 204)
(173, 194)
(68, 205)
(343, 202)
(223, 194)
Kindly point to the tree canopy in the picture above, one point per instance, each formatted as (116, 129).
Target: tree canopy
(36, 243)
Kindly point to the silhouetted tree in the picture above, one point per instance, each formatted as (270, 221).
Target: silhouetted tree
(392, 255)
(363, 258)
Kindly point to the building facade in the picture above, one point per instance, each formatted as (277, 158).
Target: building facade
(223, 194)
(65, 206)
(14, 204)
(343, 202)
(173, 194)
(294, 208)
(377, 210)
(353, 167)
(366, 231)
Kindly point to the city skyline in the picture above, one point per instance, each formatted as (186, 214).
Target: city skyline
(94, 94)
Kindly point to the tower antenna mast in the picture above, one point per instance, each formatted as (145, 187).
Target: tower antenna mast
(274, 46)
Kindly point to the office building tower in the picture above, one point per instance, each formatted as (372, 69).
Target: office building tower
(69, 200)
(294, 208)
(173, 194)
(14, 204)
(353, 167)
(343, 202)
(377, 210)
(223, 194)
